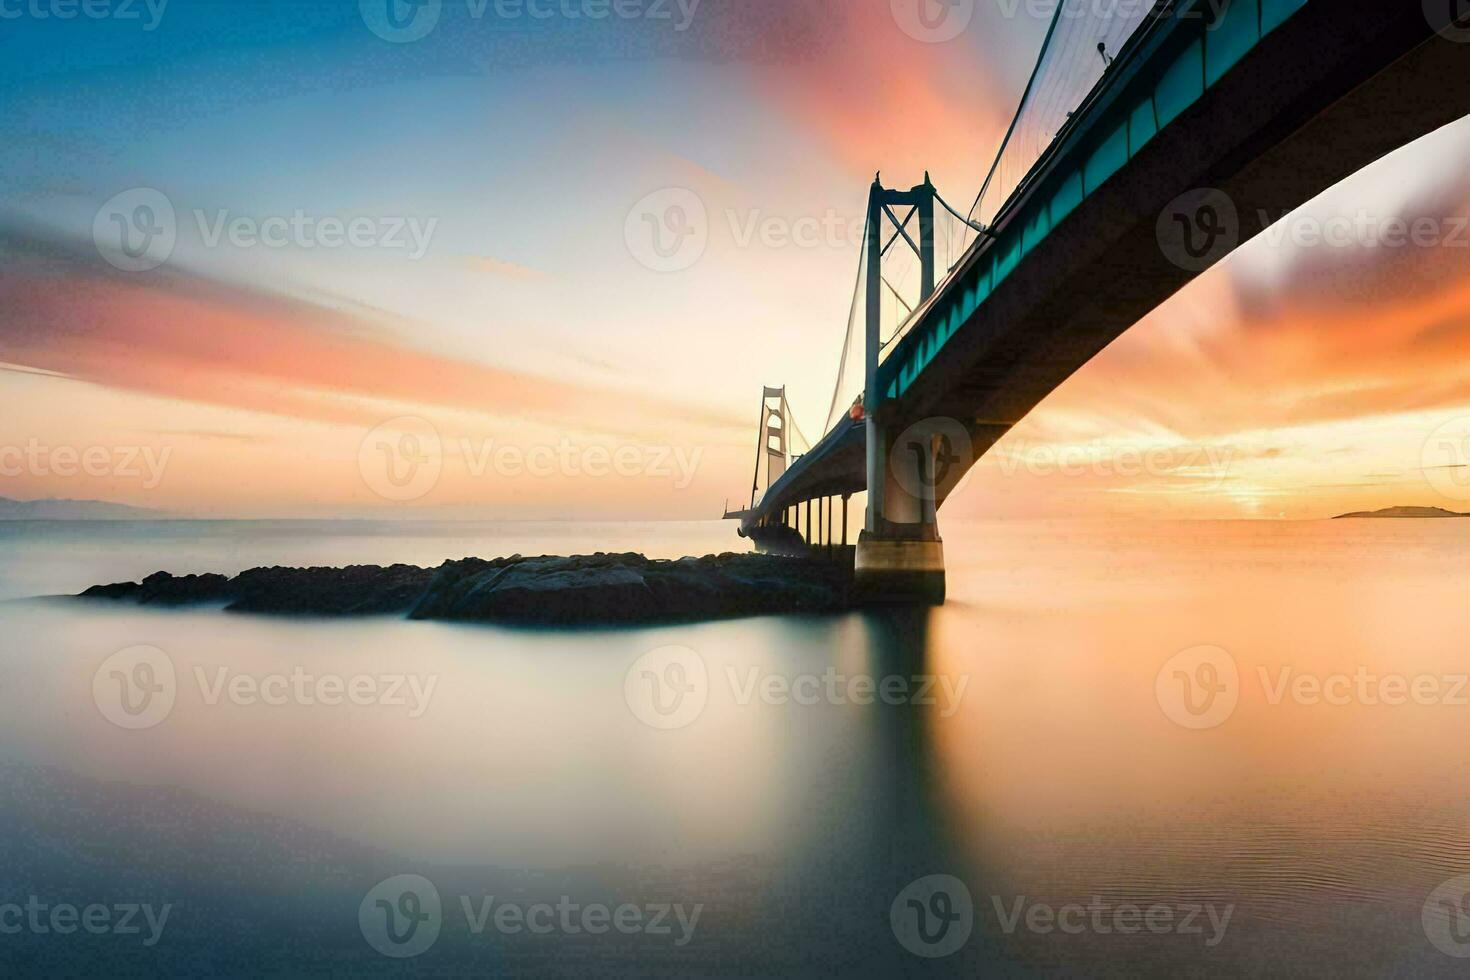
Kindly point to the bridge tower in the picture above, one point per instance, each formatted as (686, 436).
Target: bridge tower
(775, 446)
(900, 557)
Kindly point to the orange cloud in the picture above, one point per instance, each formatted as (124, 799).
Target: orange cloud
(206, 341)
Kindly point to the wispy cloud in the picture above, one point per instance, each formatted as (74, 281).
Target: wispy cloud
(180, 334)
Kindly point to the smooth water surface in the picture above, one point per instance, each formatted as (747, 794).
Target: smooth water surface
(1059, 758)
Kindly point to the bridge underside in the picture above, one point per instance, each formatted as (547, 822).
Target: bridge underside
(1273, 133)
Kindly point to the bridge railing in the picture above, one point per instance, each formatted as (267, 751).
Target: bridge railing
(1082, 42)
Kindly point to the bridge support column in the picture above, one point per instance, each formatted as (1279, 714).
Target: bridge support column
(901, 558)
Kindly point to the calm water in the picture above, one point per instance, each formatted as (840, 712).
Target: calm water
(1107, 811)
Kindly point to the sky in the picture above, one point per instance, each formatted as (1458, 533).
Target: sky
(304, 259)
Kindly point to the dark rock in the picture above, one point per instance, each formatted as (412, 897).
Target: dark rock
(355, 590)
(600, 589)
(630, 588)
(117, 590)
(163, 589)
(457, 584)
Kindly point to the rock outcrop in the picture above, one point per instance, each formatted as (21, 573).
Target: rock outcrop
(601, 589)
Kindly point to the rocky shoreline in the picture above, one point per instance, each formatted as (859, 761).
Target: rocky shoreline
(601, 589)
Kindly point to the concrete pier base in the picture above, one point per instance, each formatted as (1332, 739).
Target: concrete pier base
(899, 570)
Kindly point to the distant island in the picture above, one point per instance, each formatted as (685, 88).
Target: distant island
(73, 510)
(1401, 512)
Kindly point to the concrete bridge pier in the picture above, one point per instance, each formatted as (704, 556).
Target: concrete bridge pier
(902, 570)
(900, 556)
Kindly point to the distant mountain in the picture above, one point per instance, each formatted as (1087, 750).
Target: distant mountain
(72, 510)
(1402, 512)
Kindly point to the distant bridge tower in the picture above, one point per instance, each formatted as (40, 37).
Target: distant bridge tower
(900, 556)
(775, 447)
(773, 451)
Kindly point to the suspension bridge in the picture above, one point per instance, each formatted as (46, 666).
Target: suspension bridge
(1146, 147)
